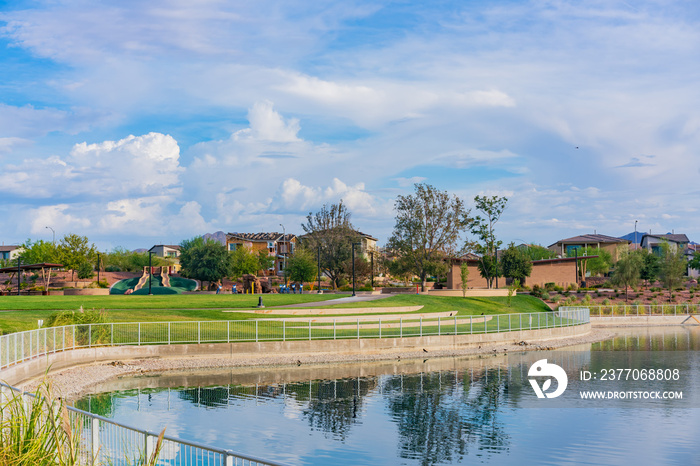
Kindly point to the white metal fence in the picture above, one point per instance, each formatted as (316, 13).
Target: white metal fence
(630, 310)
(119, 444)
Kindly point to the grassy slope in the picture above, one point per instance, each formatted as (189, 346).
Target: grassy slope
(208, 307)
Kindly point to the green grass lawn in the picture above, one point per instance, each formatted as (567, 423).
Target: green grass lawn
(22, 312)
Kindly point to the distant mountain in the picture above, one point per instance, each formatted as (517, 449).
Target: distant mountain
(219, 236)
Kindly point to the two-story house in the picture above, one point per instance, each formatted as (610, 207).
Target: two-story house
(277, 245)
(168, 251)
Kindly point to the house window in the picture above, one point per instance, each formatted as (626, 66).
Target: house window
(270, 245)
(571, 250)
(232, 246)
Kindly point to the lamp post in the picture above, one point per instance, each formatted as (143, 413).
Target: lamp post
(319, 269)
(150, 272)
(19, 275)
(54, 235)
(371, 255)
(284, 255)
(635, 234)
(353, 267)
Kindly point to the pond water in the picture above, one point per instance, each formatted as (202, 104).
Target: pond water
(436, 411)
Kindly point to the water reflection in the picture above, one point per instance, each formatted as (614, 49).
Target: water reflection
(429, 412)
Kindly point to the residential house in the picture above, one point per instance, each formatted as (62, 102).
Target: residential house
(567, 247)
(690, 251)
(652, 243)
(168, 251)
(368, 245)
(560, 271)
(9, 252)
(278, 245)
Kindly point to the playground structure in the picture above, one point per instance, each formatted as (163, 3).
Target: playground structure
(163, 272)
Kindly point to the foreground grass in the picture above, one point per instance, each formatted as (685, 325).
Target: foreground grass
(173, 308)
(464, 306)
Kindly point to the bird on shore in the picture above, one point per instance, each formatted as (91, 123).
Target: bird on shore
(425, 350)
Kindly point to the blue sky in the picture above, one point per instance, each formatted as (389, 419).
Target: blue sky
(138, 123)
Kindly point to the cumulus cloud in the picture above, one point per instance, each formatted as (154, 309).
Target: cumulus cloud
(268, 125)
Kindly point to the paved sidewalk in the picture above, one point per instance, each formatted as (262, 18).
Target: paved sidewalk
(346, 300)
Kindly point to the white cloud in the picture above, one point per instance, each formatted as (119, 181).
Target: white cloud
(268, 125)
(58, 217)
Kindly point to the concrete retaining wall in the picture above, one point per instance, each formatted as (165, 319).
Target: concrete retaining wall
(618, 321)
(86, 292)
(21, 372)
(471, 293)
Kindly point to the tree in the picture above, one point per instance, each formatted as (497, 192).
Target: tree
(628, 271)
(428, 227)
(301, 266)
(243, 261)
(651, 266)
(464, 276)
(121, 259)
(599, 265)
(74, 250)
(694, 263)
(39, 252)
(401, 268)
(331, 231)
(265, 260)
(204, 260)
(673, 267)
(484, 228)
(515, 264)
(537, 252)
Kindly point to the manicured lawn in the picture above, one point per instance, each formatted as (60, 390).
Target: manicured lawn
(464, 306)
(22, 312)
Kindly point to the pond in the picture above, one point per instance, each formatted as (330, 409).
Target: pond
(437, 411)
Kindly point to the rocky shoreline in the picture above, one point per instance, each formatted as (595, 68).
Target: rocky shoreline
(71, 383)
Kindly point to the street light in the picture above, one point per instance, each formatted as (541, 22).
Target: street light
(284, 255)
(353, 266)
(150, 272)
(635, 234)
(54, 235)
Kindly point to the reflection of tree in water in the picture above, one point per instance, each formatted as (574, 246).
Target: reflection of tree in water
(334, 405)
(438, 421)
(100, 404)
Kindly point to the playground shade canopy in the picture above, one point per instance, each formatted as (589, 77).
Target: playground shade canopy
(41, 266)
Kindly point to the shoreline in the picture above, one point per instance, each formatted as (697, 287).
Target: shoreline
(74, 382)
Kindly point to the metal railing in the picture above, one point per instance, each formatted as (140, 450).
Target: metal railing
(107, 442)
(23, 346)
(631, 310)
(116, 444)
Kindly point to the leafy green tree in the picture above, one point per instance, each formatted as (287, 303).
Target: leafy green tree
(131, 261)
(628, 271)
(204, 260)
(265, 260)
(74, 250)
(464, 276)
(243, 261)
(85, 270)
(694, 263)
(39, 252)
(515, 264)
(330, 230)
(537, 252)
(301, 266)
(428, 226)
(401, 268)
(651, 267)
(483, 227)
(363, 269)
(673, 267)
(599, 265)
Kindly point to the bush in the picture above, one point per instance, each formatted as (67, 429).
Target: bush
(606, 301)
(113, 268)
(544, 296)
(84, 270)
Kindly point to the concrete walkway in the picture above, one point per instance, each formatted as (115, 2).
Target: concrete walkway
(348, 299)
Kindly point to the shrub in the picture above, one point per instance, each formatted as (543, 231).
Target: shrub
(606, 301)
(84, 270)
(113, 268)
(544, 296)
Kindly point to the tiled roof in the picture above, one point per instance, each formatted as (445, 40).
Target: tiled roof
(8, 248)
(171, 246)
(364, 235)
(261, 236)
(590, 239)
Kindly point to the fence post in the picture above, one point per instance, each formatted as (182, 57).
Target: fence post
(89, 335)
(401, 327)
(169, 333)
(256, 331)
(284, 330)
(95, 428)
(439, 333)
(358, 328)
(148, 445)
(455, 323)
(229, 459)
(510, 327)
(309, 329)
(73, 336)
(380, 327)
(421, 325)
(471, 325)
(334, 329)
(498, 323)
(139, 331)
(199, 332)
(521, 322)
(111, 335)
